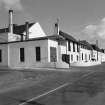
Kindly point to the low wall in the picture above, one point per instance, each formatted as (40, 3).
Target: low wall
(86, 63)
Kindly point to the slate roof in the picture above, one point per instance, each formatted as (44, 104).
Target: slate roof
(17, 29)
(85, 43)
(67, 36)
(95, 47)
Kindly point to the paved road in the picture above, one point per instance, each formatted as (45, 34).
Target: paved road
(89, 90)
(80, 89)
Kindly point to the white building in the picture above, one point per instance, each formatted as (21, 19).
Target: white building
(71, 47)
(102, 55)
(98, 54)
(85, 51)
(27, 46)
(37, 52)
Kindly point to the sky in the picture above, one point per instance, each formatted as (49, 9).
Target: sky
(83, 19)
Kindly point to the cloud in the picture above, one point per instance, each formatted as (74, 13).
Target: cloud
(12, 4)
(97, 30)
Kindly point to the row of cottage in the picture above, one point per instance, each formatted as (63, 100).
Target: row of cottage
(27, 46)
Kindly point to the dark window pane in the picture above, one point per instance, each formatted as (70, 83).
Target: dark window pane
(77, 58)
(66, 58)
(71, 57)
(0, 55)
(73, 47)
(78, 47)
(69, 47)
(82, 56)
(38, 55)
(22, 57)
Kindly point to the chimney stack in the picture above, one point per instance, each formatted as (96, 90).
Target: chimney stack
(27, 30)
(11, 21)
(56, 27)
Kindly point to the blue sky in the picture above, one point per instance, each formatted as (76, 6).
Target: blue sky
(83, 19)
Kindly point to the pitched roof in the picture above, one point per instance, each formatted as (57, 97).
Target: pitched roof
(67, 36)
(17, 29)
(85, 43)
(4, 30)
(95, 47)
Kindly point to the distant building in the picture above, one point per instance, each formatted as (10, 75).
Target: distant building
(98, 54)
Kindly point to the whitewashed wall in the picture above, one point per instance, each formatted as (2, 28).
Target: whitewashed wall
(36, 31)
(3, 37)
(85, 52)
(4, 48)
(30, 53)
(103, 57)
(72, 53)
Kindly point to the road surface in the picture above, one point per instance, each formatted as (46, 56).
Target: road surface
(82, 86)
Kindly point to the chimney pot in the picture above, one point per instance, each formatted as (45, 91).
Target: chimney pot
(10, 10)
(56, 27)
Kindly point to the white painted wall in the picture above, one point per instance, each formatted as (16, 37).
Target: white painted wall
(85, 52)
(63, 48)
(30, 55)
(36, 31)
(4, 48)
(8, 37)
(103, 57)
(72, 53)
(3, 37)
(13, 37)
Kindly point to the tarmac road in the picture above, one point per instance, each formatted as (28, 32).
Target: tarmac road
(82, 87)
(89, 90)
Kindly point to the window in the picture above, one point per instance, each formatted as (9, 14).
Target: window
(0, 55)
(89, 56)
(38, 54)
(66, 58)
(22, 57)
(77, 58)
(73, 47)
(82, 56)
(77, 47)
(85, 57)
(69, 47)
(53, 54)
(71, 57)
